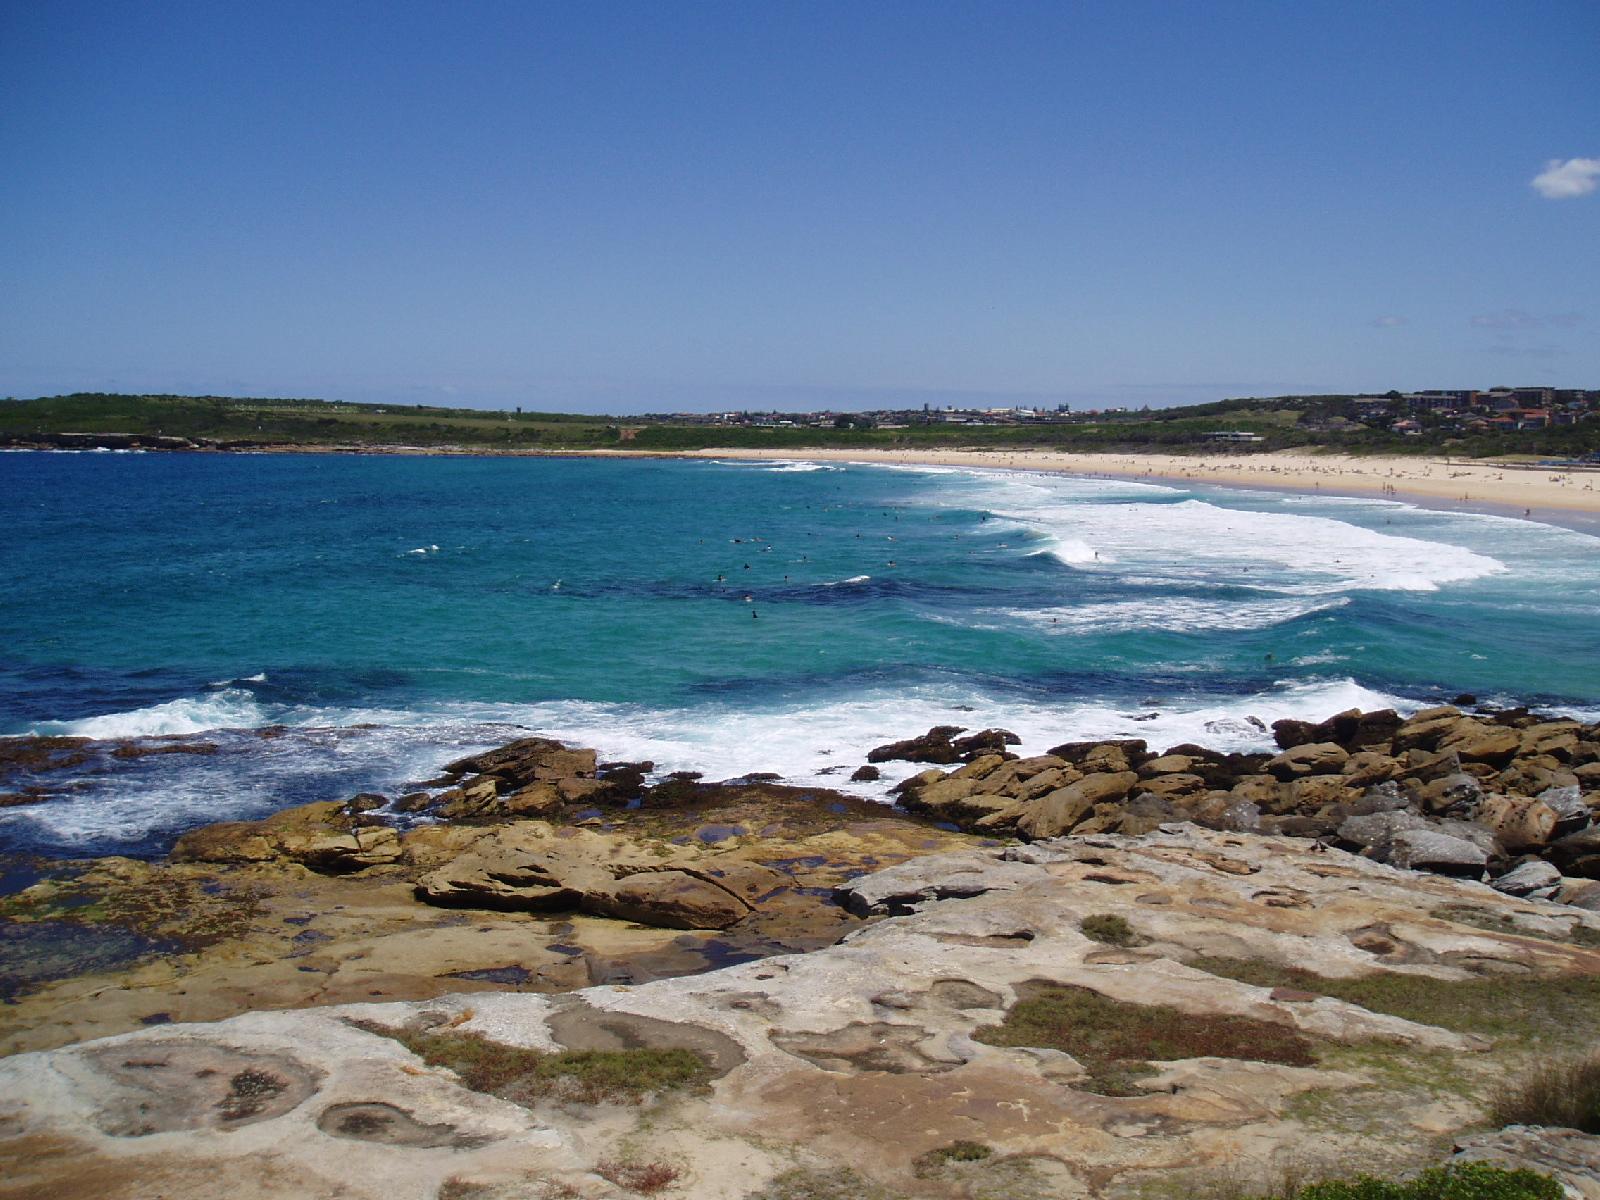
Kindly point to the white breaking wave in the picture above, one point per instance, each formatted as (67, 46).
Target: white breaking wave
(1173, 615)
(329, 754)
(778, 465)
(230, 708)
(1192, 540)
(851, 580)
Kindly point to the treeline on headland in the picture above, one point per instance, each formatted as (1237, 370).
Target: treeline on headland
(228, 423)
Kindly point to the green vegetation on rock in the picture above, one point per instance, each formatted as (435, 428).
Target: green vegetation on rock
(1535, 1009)
(1115, 1041)
(1466, 1181)
(527, 1076)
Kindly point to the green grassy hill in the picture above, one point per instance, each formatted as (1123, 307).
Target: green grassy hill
(1285, 422)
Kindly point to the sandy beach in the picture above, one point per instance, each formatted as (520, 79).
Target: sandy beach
(1433, 481)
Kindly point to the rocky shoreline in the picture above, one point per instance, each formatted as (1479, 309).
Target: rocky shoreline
(847, 969)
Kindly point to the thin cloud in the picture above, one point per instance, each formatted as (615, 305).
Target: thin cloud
(1388, 322)
(1514, 351)
(1565, 179)
(1519, 318)
(1511, 318)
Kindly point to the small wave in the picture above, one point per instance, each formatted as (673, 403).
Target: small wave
(846, 582)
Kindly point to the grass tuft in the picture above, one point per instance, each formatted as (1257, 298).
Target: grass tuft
(960, 1151)
(1561, 1094)
(1535, 1009)
(837, 1183)
(1466, 1181)
(528, 1076)
(1111, 930)
(1115, 1041)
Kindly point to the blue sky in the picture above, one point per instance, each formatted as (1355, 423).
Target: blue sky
(650, 206)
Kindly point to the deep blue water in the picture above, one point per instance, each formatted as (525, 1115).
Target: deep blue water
(715, 616)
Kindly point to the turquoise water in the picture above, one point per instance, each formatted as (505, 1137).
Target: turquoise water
(391, 611)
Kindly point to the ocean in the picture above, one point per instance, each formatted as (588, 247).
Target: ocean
(335, 624)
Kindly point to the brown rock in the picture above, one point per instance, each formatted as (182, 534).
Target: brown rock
(535, 800)
(983, 765)
(1317, 758)
(1367, 767)
(1483, 743)
(1426, 729)
(1167, 764)
(1558, 739)
(1059, 811)
(1315, 791)
(931, 747)
(1518, 822)
(1175, 787)
(671, 899)
(323, 836)
(526, 761)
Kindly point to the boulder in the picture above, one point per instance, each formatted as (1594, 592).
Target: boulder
(1105, 759)
(1317, 791)
(1177, 786)
(325, 836)
(982, 765)
(959, 801)
(1350, 729)
(1566, 801)
(866, 774)
(1043, 783)
(1474, 742)
(1315, 758)
(1528, 879)
(1530, 776)
(1458, 793)
(1430, 850)
(931, 747)
(1517, 821)
(986, 741)
(1133, 749)
(1424, 730)
(527, 760)
(1558, 739)
(1368, 767)
(535, 870)
(1578, 853)
(669, 900)
(1378, 830)
(1167, 764)
(1059, 811)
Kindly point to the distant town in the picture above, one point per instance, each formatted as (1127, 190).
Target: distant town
(1442, 411)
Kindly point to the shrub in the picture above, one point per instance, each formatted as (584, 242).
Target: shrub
(1466, 1181)
(637, 1176)
(1566, 1095)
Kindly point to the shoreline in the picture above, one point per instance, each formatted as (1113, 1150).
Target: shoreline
(1561, 498)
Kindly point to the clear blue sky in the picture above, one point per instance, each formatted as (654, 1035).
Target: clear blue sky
(639, 206)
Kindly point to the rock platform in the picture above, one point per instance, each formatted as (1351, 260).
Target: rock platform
(872, 1067)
